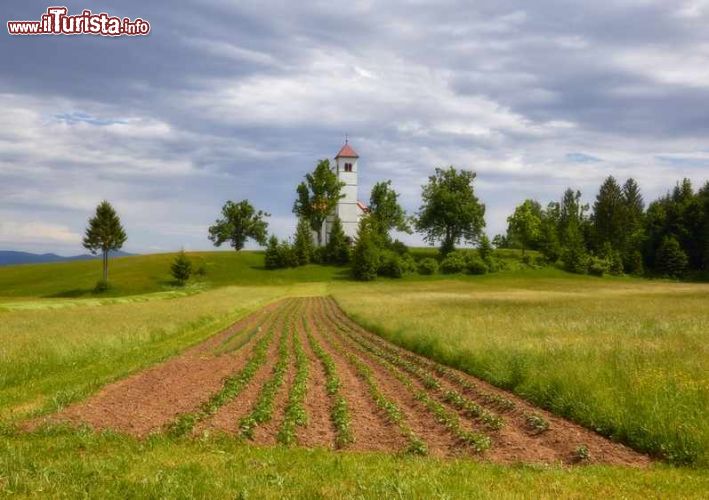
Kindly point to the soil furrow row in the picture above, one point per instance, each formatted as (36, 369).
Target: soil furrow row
(452, 432)
(271, 399)
(232, 385)
(370, 428)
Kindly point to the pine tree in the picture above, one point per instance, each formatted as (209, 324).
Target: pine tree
(105, 234)
(181, 268)
(609, 215)
(303, 244)
(272, 256)
(365, 257)
(337, 250)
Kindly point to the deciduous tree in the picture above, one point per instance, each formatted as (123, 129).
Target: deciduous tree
(239, 222)
(450, 212)
(318, 196)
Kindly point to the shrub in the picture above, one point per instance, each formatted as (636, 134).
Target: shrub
(201, 270)
(408, 263)
(399, 248)
(181, 268)
(671, 259)
(575, 259)
(453, 263)
(616, 264)
(365, 257)
(102, 286)
(287, 255)
(476, 265)
(390, 264)
(428, 266)
(597, 266)
(527, 260)
(540, 261)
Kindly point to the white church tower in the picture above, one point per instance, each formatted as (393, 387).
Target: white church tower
(349, 209)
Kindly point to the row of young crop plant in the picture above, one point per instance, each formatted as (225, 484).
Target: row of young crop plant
(234, 384)
(449, 419)
(339, 412)
(492, 400)
(468, 407)
(295, 414)
(262, 410)
(394, 415)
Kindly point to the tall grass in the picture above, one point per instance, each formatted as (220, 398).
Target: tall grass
(627, 358)
(69, 464)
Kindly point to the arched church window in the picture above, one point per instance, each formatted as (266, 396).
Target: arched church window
(348, 167)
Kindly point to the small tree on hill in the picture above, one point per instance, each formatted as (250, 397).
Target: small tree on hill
(272, 258)
(239, 222)
(104, 233)
(303, 244)
(450, 211)
(181, 268)
(337, 250)
(317, 196)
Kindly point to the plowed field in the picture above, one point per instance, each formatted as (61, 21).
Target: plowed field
(301, 373)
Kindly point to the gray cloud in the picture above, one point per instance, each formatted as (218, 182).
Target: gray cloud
(228, 101)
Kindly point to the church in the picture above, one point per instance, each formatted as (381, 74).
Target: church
(349, 209)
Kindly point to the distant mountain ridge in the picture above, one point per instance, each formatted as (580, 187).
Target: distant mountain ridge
(11, 257)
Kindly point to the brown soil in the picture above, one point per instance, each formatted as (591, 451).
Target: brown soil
(319, 430)
(150, 400)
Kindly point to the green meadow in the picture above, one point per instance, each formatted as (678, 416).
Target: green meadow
(624, 356)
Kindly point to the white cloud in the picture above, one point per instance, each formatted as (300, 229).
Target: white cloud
(12, 233)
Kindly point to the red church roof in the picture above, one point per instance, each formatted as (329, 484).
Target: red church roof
(347, 152)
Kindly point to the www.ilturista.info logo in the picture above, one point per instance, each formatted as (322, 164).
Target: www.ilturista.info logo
(56, 21)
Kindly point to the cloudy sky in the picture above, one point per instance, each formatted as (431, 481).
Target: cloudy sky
(231, 100)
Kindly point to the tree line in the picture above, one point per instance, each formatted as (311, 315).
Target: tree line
(618, 234)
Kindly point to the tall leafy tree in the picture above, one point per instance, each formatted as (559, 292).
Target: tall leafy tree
(239, 222)
(450, 212)
(386, 212)
(524, 225)
(104, 234)
(318, 196)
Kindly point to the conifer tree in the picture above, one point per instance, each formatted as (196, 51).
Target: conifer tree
(337, 250)
(303, 243)
(272, 256)
(104, 234)
(181, 268)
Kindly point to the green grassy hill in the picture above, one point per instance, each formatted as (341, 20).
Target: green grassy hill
(151, 273)
(143, 274)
